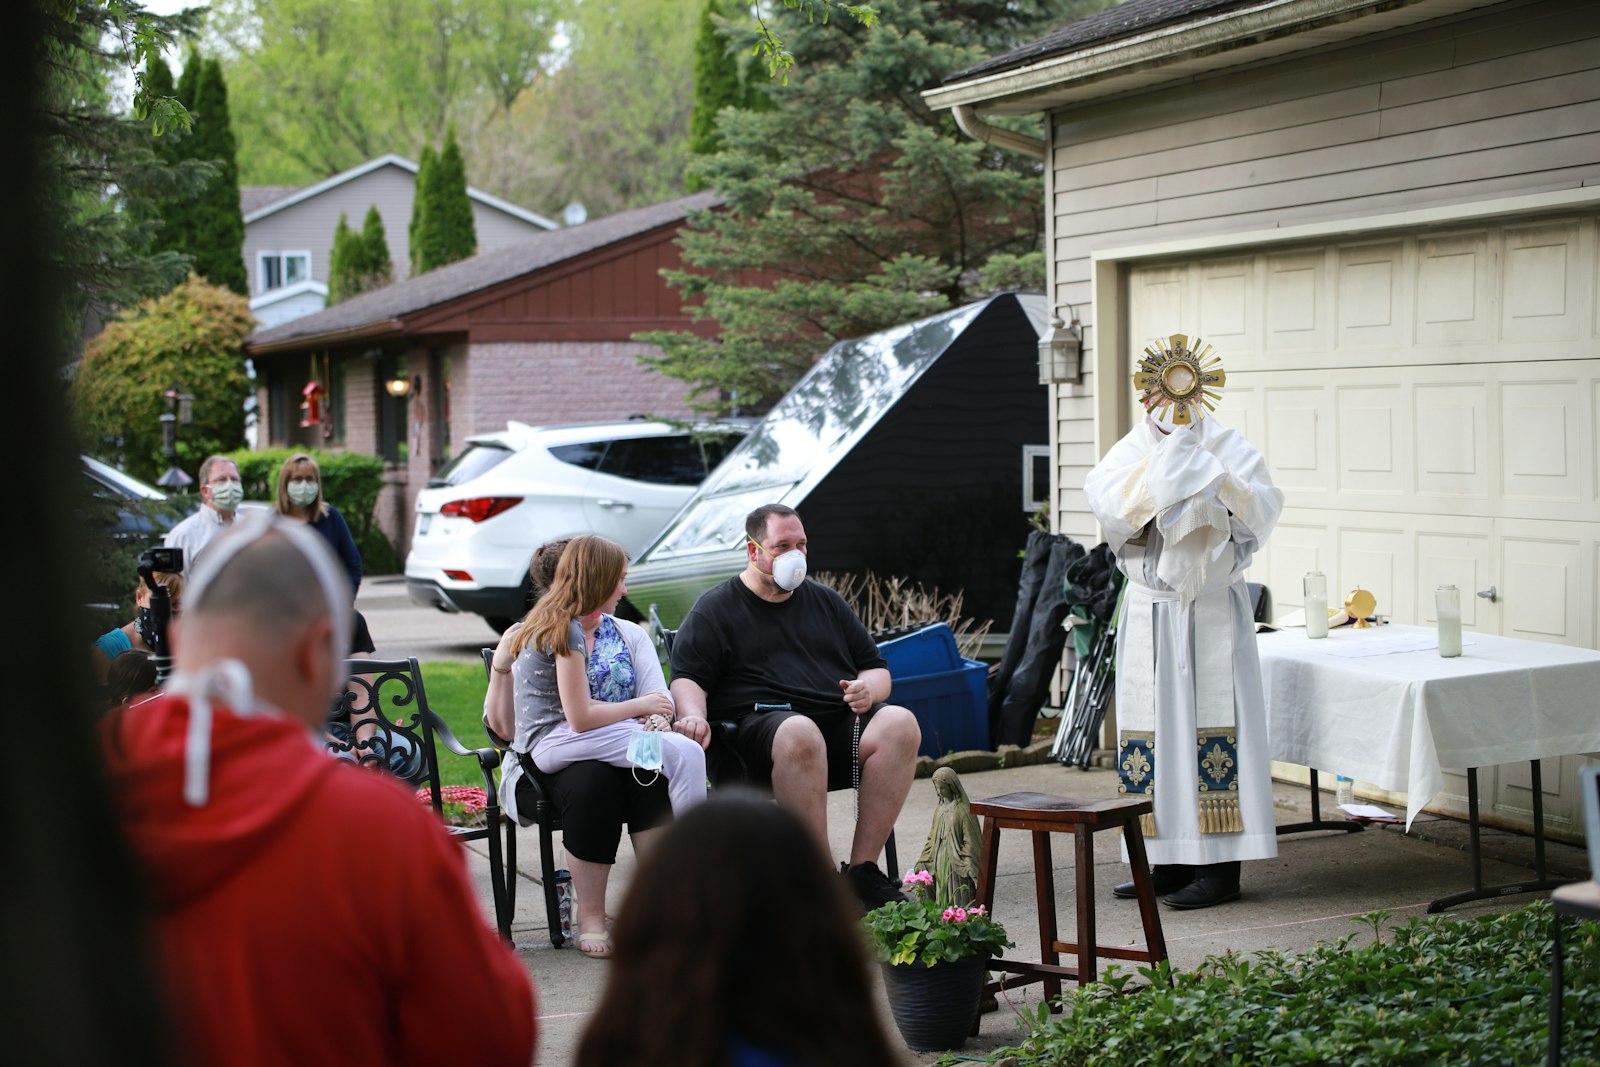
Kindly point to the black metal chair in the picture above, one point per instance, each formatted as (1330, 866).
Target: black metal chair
(383, 721)
(543, 813)
(725, 766)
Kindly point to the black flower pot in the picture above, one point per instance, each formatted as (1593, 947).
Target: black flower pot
(934, 1007)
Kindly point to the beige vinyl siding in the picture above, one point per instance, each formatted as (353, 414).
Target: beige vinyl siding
(1465, 109)
(309, 224)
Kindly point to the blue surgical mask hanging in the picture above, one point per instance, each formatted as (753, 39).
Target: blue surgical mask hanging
(644, 752)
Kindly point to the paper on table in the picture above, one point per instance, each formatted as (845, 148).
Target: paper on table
(1380, 643)
(1369, 811)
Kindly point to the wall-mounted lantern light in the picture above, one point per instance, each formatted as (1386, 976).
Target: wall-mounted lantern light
(1061, 349)
(398, 386)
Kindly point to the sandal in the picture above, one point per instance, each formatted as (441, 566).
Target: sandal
(591, 938)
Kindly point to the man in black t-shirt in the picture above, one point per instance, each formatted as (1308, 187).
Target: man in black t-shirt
(769, 636)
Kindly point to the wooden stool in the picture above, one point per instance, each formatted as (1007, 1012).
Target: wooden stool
(1044, 815)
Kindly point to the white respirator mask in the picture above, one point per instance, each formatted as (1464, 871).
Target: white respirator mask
(788, 569)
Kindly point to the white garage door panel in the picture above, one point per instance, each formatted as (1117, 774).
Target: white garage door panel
(1451, 423)
(1428, 403)
(1543, 290)
(1376, 459)
(1454, 295)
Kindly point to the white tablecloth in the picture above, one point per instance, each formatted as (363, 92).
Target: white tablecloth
(1398, 720)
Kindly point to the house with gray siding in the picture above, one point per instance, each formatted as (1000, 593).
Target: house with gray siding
(540, 330)
(288, 231)
(1385, 217)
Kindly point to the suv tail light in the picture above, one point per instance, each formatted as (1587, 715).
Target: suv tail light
(480, 507)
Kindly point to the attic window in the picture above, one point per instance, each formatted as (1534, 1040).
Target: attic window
(278, 269)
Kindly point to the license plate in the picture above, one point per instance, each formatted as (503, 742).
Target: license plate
(422, 523)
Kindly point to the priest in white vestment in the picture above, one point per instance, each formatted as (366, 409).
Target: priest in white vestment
(1184, 505)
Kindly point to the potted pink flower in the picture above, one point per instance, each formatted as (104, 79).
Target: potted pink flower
(933, 956)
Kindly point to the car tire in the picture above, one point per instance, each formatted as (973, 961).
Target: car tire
(499, 623)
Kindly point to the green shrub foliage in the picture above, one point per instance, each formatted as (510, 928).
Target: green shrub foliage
(1436, 990)
(190, 338)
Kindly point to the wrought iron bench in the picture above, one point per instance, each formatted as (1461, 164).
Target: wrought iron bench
(383, 721)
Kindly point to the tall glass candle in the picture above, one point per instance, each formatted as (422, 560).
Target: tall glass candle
(1447, 604)
(1316, 586)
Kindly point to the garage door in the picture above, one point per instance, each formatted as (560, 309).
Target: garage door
(1427, 402)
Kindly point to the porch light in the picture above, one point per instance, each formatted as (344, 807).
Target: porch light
(398, 386)
(1060, 350)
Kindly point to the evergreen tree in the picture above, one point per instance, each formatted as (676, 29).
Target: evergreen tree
(189, 80)
(171, 212)
(716, 86)
(359, 261)
(457, 234)
(377, 268)
(853, 204)
(418, 229)
(344, 263)
(217, 242)
(722, 78)
(103, 181)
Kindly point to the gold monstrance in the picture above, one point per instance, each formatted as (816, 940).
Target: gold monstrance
(1175, 374)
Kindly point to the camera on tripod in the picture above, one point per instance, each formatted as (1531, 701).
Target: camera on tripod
(156, 628)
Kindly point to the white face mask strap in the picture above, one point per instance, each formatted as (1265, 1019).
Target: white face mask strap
(335, 586)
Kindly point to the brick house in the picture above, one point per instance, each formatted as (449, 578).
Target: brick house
(539, 331)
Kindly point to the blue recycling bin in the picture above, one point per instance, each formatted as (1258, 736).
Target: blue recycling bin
(947, 692)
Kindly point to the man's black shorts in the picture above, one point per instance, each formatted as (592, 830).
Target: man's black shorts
(753, 741)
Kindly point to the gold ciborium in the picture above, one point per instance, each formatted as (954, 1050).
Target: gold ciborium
(1359, 604)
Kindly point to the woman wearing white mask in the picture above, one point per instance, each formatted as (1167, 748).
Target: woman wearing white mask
(300, 497)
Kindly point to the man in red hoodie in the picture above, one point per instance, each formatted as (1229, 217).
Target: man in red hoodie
(305, 912)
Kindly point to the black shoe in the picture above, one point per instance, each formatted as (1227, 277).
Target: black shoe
(871, 886)
(1215, 883)
(1168, 878)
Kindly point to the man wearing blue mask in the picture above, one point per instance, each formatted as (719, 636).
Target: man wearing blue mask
(221, 493)
(789, 662)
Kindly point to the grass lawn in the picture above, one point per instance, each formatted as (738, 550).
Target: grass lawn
(455, 693)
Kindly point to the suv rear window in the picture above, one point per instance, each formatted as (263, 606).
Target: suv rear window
(587, 455)
(674, 460)
(479, 458)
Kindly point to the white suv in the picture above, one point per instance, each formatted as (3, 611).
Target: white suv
(480, 519)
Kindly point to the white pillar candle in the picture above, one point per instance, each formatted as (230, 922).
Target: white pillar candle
(1316, 593)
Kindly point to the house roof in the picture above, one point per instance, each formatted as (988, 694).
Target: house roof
(1121, 20)
(1143, 44)
(382, 310)
(294, 196)
(254, 197)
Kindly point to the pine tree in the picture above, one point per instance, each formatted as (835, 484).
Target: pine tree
(101, 251)
(377, 269)
(716, 86)
(189, 80)
(172, 212)
(856, 206)
(418, 229)
(721, 79)
(216, 236)
(345, 263)
(457, 234)
(359, 261)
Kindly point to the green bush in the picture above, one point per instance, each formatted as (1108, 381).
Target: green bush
(190, 338)
(351, 482)
(1438, 990)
